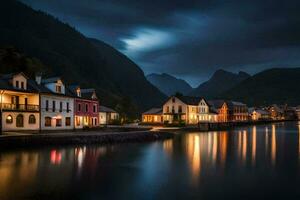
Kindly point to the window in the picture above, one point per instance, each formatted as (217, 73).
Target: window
(68, 107)
(47, 121)
(9, 119)
(95, 108)
(68, 121)
(17, 84)
(47, 105)
(31, 119)
(78, 121)
(86, 108)
(22, 85)
(168, 109)
(58, 88)
(53, 106)
(20, 121)
(58, 122)
(79, 107)
(60, 106)
(180, 109)
(96, 121)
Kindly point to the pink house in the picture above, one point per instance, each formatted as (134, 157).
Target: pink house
(86, 107)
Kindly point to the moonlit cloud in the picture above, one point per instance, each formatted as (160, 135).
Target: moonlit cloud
(190, 39)
(145, 40)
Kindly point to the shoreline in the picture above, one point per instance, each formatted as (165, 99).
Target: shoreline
(84, 138)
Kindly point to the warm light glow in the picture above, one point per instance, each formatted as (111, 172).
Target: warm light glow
(244, 151)
(273, 145)
(215, 147)
(55, 157)
(253, 145)
(168, 146)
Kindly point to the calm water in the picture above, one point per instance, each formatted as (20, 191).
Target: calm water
(258, 162)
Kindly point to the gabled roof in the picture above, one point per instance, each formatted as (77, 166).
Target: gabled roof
(190, 100)
(232, 104)
(263, 112)
(106, 109)
(217, 104)
(153, 111)
(88, 93)
(11, 75)
(51, 80)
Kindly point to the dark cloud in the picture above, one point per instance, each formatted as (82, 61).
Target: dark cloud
(190, 39)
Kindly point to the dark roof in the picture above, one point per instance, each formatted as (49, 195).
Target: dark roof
(7, 85)
(263, 112)
(51, 80)
(106, 109)
(190, 100)
(231, 104)
(216, 104)
(153, 111)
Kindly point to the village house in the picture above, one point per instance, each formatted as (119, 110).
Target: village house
(237, 111)
(56, 104)
(222, 109)
(19, 103)
(107, 115)
(259, 114)
(153, 116)
(276, 112)
(190, 110)
(86, 107)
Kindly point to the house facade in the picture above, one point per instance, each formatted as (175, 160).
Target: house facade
(259, 114)
(237, 111)
(86, 107)
(107, 115)
(222, 109)
(19, 103)
(153, 116)
(56, 105)
(190, 110)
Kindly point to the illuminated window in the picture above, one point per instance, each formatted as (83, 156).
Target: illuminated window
(31, 119)
(20, 121)
(9, 119)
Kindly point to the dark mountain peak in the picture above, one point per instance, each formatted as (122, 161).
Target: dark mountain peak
(243, 74)
(220, 81)
(68, 53)
(169, 84)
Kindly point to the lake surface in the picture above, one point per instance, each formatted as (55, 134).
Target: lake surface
(256, 162)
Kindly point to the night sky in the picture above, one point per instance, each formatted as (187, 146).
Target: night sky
(190, 39)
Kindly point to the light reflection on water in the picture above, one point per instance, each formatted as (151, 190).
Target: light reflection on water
(190, 161)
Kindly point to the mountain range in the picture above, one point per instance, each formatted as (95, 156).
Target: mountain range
(220, 82)
(66, 52)
(277, 85)
(168, 84)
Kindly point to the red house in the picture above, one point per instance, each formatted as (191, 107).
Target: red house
(86, 107)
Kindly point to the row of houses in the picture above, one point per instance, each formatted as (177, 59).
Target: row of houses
(194, 110)
(48, 104)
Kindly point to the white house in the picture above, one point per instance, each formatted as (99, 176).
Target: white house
(56, 104)
(19, 103)
(191, 110)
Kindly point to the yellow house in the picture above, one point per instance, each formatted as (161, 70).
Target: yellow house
(153, 116)
(19, 103)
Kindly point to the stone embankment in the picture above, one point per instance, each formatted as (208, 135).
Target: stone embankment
(81, 138)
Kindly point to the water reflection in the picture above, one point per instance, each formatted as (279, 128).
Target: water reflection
(253, 145)
(273, 145)
(247, 156)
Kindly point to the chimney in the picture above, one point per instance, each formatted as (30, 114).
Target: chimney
(38, 78)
